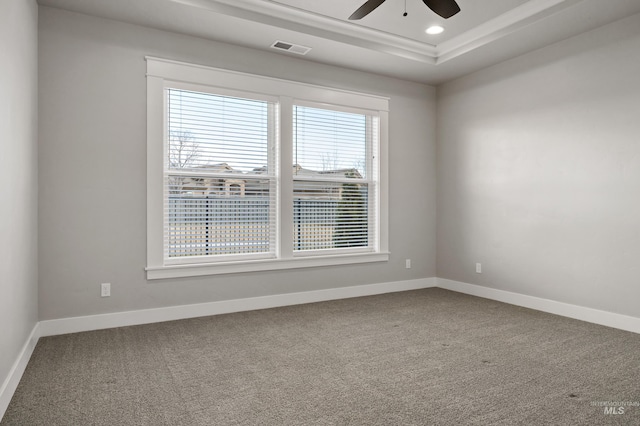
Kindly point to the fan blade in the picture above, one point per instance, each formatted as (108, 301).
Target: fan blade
(365, 9)
(444, 8)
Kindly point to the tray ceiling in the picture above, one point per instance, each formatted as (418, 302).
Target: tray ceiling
(384, 42)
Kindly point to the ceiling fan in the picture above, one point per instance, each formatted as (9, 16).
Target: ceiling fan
(444, 8)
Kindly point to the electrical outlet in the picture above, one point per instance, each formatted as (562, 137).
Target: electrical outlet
(407, 263)
(105, 290)
(478, 268)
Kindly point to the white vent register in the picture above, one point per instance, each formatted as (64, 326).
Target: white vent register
(290, 47)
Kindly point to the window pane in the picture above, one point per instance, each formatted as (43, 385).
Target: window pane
(331, 142)
(331, 192)
(218, 218)
(217, 133)
(219, 194)
(330, 215)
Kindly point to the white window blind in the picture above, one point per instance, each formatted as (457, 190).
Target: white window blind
(219, 176)
(334, 199)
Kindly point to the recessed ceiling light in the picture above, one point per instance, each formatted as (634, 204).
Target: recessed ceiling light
(435, 29)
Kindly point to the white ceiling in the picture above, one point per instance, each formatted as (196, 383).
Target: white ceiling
(384, 42)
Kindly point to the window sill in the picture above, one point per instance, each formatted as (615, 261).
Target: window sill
(202, 269)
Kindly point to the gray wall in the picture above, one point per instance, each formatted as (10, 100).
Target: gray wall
(18, 174)
(93, 181)
(539, 172)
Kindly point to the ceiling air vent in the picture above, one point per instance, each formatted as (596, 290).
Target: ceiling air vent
(290, 47)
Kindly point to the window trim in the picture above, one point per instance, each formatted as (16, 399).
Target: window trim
(160, 71)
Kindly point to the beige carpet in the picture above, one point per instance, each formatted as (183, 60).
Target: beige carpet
(427, 357)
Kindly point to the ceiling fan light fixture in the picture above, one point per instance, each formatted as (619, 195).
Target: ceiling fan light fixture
(443, 8)
(434, 29)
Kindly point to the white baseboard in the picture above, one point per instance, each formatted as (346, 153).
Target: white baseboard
(609, 319)
(147, 316)
(17, 370)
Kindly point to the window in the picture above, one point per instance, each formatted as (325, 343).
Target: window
(220, 188)
(248, 173)
(334, 153)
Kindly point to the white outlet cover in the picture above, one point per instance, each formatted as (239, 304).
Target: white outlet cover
(105, 290)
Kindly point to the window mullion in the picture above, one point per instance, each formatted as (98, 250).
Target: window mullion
(285, 179)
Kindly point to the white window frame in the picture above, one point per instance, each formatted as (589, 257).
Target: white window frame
(163, 73)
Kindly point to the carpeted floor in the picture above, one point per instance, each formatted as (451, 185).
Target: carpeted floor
(426, 357)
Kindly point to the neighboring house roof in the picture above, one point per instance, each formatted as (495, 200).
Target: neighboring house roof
(224, 185)
(350, 173)
(217, 168)
(299, 170)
